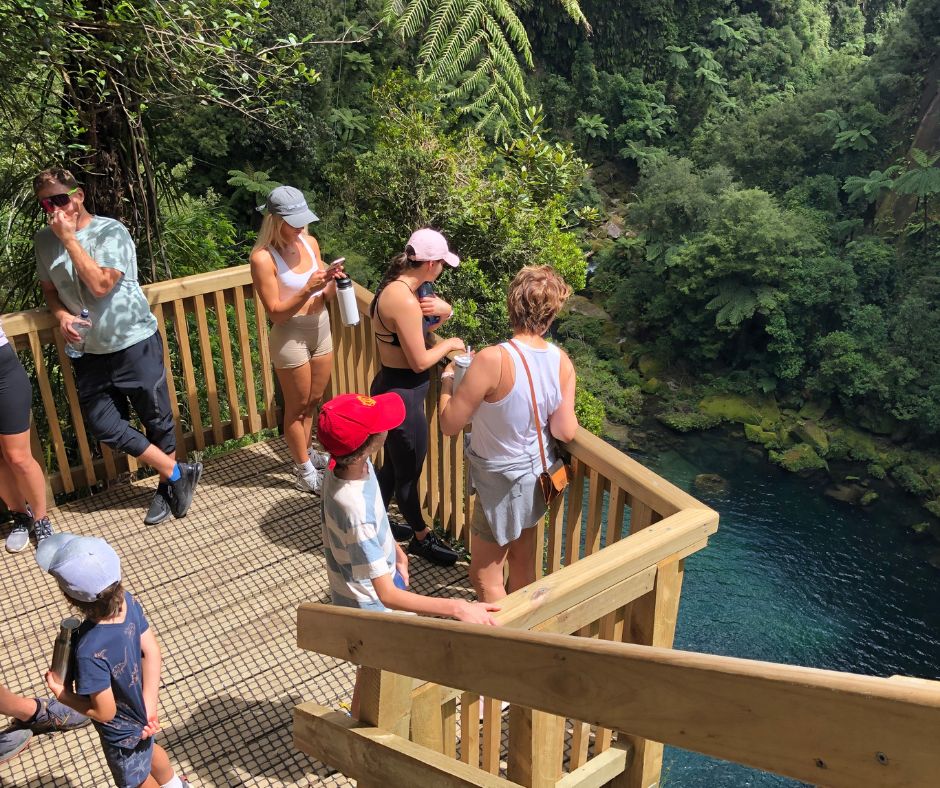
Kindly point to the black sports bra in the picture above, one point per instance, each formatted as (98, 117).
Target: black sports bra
(385, 336)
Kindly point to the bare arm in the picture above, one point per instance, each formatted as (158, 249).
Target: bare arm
(60, 311)
(395, 598)
(563, 423)
(98, 279)
(264, 277)
(479, 382)
(401, 312)
(151, 661)
(98, 706)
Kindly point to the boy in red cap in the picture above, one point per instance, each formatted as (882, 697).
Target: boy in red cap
(366, 566)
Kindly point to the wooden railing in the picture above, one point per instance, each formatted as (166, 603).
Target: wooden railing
(221, 385)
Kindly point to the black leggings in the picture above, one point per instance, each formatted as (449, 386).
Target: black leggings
(407, 445)
(16, 393)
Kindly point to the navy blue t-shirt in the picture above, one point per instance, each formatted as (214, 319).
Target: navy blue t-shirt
(108, 655)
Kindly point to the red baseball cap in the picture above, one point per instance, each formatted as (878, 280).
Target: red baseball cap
(347, 421)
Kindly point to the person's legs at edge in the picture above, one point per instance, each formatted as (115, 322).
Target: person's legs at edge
(297, 387)
(16, 706)
(23, 489)
(26, 472)
(522, 559)
(486, 570)
(320, 369)
(161, 771)
(14, 740)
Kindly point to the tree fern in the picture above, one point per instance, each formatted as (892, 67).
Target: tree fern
(480, 45)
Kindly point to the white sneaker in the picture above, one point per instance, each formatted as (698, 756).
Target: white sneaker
(320, 459)
(307, 482)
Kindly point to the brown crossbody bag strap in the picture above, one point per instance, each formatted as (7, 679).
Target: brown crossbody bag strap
(553, 480)
(535, 407)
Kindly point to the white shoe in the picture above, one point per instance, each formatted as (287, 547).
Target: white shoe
(307, 482)
(320, 459)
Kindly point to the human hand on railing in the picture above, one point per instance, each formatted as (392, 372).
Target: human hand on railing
(454, 345)
(476, 613)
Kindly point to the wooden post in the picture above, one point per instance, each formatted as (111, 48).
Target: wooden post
(427, 720)
(385, 700)
(651, 622)
(536, 747)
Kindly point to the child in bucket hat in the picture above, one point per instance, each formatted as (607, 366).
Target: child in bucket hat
(114, 668)
(366, 567)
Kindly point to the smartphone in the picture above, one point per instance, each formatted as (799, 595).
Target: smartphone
(335, 264)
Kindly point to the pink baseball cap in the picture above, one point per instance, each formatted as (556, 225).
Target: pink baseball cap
(431, 245)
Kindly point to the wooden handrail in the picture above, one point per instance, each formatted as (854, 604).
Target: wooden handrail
(821, 726)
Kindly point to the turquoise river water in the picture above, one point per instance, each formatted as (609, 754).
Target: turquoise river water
(797, 578)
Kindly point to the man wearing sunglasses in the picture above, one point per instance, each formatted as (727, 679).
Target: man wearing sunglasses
(90, 262)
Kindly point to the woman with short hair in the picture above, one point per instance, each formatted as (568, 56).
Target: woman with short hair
(294, 286)
(504, 456)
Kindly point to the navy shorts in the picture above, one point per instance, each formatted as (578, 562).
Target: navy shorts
(130, 768)
(16, 393)
(109, 384)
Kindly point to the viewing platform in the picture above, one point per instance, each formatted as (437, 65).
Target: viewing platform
(256, 666)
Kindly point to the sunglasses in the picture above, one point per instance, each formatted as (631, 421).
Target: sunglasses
(57, 200)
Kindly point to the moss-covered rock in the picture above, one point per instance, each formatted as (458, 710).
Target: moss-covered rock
(652, 386)
(869, 498)
(875, 420)
(910, 480)
(814, 435)
(687, 422)
(650, 367)
(757, 434)
(743, 410)
(933, 507)
(851, 444)
(814, 411)
(876, 471)
(710, 482)
(798, 459)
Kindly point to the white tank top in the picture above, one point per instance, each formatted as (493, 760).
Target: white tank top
(3, 337)
(289, 282)
(506, 429)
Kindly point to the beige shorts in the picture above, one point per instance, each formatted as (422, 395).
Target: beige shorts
(294, 343)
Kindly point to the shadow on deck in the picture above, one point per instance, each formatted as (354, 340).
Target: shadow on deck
(221, 588)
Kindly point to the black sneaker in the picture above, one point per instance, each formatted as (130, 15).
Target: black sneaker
(433, 549)
(401, 531)
(182, 490)
(160, 505)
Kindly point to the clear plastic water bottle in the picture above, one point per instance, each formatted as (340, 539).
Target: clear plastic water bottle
(81, 327)
(427, 289)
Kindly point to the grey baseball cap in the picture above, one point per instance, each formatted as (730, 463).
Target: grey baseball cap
(291, 205)
(83, 566)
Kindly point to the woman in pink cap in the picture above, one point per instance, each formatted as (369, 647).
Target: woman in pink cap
(294, 285)
(400, 327)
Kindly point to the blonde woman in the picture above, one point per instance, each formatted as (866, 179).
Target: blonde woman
(504, 456)
(294, 285)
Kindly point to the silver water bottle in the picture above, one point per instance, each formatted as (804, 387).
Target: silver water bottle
(346, 296)
(63, 646)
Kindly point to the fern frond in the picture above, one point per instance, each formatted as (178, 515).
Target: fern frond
(412, 17)
(499, 50)
(457, 51)
(513, 25)
(473, 82)
(573, 9)
(447, 15)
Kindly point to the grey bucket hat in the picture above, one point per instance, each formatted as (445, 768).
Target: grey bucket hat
(291, 205)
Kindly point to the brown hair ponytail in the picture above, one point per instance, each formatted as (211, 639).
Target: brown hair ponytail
(396, 267)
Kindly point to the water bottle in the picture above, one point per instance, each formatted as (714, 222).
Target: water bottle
(461, 363)
(63, 646)
(427, 289)
(348, 310)
(81, 327)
